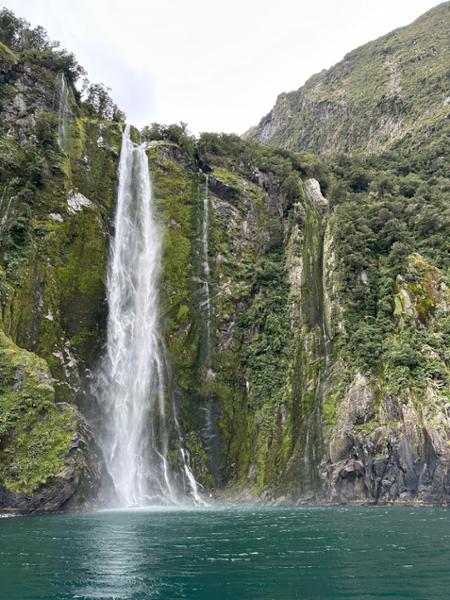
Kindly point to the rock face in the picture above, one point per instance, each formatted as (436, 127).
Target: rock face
(53, 248)
(246, 394)
(387, 90)
(78, 483)
(386, 446)
(396, 456)
(299, 414)
(48, 456)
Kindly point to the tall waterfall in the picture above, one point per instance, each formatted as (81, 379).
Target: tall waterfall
(209, 430)
(206, 273)
(313, 447)
(133, 381)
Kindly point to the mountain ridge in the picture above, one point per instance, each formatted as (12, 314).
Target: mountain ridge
(376, 95)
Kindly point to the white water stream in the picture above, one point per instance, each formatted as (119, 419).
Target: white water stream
(206, 272)
(133, 381)
(63, 111)
(208, 431)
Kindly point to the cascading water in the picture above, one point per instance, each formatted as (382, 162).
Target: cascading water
(63, 111)
(133, 382)
(209, 432)
(206, 273)
(313, 447)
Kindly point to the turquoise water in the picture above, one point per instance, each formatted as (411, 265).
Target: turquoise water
(230, 553)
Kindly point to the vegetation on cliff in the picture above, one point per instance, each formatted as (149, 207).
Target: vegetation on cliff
(58, 159)
(394, 88)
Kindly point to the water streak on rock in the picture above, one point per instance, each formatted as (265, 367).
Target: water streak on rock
(63, 92)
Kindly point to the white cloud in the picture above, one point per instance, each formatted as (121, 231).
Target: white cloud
(216, 65)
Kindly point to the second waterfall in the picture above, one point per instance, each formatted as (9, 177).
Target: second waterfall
(133, 379)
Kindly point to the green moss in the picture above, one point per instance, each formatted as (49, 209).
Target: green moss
(35, 435)
(199, 461)
(56, 268)
(330, 409)
(231, 179)
(421, 283)
(7, 57)
(175, 195)
(368, 427)
(398, 306)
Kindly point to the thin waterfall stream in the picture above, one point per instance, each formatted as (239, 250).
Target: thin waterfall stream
(208, 429)
(63, 93)
(313, 448)
(206, 272)
(138, 417)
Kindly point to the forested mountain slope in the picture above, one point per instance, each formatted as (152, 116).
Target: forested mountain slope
(394, 88)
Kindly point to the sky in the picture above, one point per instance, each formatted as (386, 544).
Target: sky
(217, 65)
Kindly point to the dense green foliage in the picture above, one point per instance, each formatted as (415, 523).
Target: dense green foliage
(402, 209)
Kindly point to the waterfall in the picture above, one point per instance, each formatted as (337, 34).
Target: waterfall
(209, 430)
(133, 380)
(206, 303)
(313, 447)
(63, 111)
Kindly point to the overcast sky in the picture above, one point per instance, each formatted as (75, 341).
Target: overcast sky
(216, 64)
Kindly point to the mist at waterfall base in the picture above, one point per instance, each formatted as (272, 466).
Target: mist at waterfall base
(321, 553)
(138, 417)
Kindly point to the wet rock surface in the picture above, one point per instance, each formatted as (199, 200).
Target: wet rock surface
(80, 483)
(396, 458)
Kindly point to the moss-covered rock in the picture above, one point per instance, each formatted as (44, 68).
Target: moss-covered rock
(391, 437)
(55, 209)
(47, 455)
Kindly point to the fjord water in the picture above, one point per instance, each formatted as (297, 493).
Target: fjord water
(132, 384)
(229, 554)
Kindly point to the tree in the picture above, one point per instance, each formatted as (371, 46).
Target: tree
(99, 103)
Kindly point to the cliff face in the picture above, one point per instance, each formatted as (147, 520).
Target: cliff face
(320, 369)
(305, 302)
(391, 89)
(57, 179)
(246, 356)
(389, 439)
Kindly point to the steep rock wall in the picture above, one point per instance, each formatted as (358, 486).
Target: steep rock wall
(56, 199)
